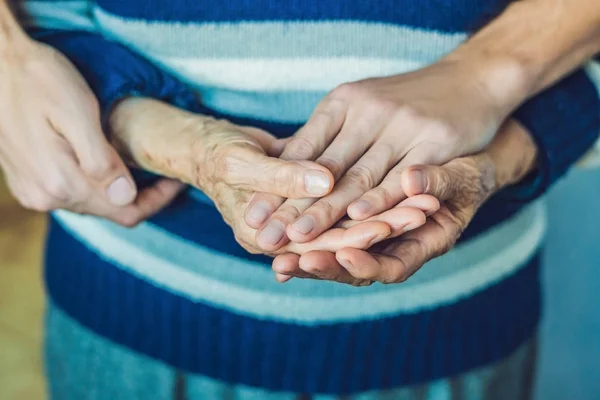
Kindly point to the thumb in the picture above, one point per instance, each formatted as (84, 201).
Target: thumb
(443, 182)
(255, 171)
(99, 160)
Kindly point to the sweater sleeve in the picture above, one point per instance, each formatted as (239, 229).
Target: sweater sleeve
(112, 70)
(564, 122)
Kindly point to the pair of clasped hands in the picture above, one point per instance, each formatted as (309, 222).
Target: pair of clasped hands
(384, 176)
(355, 195)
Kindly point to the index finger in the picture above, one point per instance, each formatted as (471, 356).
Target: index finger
(310, 141)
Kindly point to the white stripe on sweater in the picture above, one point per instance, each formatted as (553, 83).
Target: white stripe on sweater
(282, 74)
(283, 39)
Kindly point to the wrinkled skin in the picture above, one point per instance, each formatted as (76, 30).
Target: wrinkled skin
(230, 163)
(368, 132)
(462, 185)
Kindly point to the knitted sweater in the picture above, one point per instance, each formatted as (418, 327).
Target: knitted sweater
(178, 288)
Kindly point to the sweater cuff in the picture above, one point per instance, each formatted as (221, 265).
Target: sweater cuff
(564, 122)
(114, 72)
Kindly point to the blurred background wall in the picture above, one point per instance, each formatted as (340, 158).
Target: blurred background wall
(570, 336)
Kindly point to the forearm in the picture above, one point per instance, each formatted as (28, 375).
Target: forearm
(531, 46)
(158, 137)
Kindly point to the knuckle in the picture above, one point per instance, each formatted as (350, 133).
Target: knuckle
(300, 148)
(335, 166)
(101, 168)
(57, 187)
(326, 209)
(346, 90)
(407, 114)
(441, 132)
(362, 177)
(227, 167)
(285, 180)
(385, 107)
(316, 270)
(396, 275)
(383, 195)
(287, 212)
(42, 203)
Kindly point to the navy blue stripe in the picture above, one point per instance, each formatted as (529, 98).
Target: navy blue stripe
(201, 338)
(440, 15)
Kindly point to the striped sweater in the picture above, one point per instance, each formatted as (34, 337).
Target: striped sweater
(178, 288)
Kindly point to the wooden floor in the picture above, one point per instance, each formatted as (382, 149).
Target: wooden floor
(21, 301)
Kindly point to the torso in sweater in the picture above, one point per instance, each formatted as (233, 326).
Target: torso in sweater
(268, 63)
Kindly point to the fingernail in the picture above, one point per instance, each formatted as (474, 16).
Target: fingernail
(273, 233)
(120, 192)
(362, 206)
(259, 212)
(345, 263)
(378, 239)
(420, 181)
(304, 225)
(316, 182)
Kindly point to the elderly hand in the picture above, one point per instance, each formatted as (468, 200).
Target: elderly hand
(462, 184)
(52, 148)
(367, 133)
(229, 163)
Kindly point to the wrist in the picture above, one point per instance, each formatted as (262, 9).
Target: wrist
(505, 82)
(14, 42)
(532, 45)
(513, 153)
(157, 137)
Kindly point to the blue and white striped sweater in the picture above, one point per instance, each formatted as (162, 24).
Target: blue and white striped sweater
(180, 289)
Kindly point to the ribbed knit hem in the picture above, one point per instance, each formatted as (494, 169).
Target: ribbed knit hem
(336, 358)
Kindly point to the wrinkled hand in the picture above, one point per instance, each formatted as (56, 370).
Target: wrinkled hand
(462, 184)
(52, 148)
(367, 133)
(229, 163)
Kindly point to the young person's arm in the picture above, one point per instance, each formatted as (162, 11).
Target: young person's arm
(53, 150)
(533, 44)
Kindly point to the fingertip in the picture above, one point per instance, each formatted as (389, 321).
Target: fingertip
(272, 237)
(356, 261)
(285, 263)
(414, 181)
(257, 213)
(424, 202)
(372, 228)
(302, 230)
(360, 209)
(121, 192)
(282, 278)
